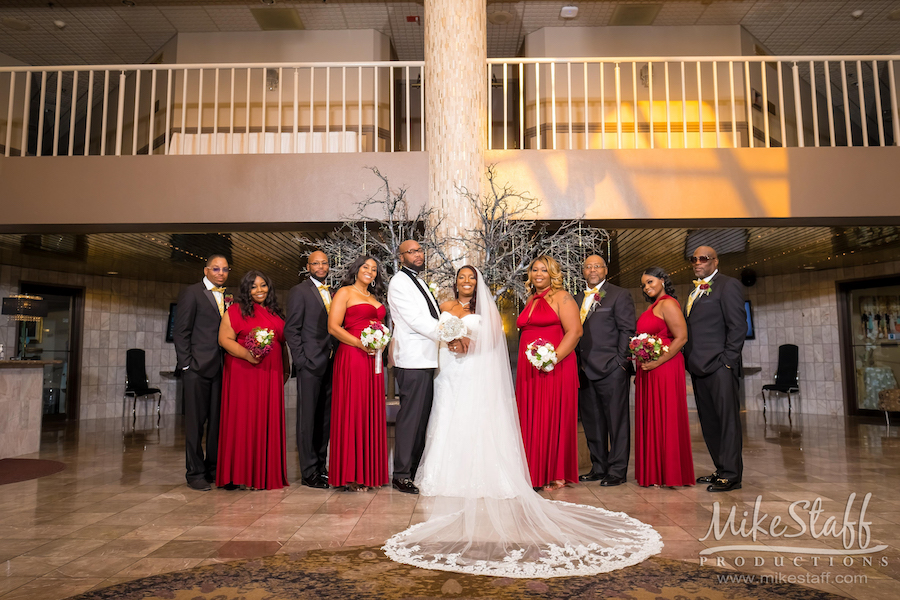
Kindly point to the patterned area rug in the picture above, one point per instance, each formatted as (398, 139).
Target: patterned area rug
(363, 572)
(13, 470)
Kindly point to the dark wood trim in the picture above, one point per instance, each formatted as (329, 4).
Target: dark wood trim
(73, 396)
(845, 339)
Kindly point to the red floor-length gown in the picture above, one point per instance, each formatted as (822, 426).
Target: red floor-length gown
(662, 437)
(251, 429)
(547, 402)
(358, 420)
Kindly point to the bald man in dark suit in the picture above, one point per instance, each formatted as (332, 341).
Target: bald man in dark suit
(717, 326)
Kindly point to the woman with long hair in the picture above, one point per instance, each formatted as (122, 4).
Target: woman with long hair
(358, 455)
(252, 437)
(662, 437)
(548, 398)
(485, 517)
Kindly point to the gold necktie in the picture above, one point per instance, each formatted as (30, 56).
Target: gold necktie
(694, 294)
(326, 297)
(587, 302)
(219, 299)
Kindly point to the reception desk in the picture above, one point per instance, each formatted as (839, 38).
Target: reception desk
(21, 392)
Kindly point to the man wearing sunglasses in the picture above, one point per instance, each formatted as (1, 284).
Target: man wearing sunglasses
(717, 326)
(196, 336)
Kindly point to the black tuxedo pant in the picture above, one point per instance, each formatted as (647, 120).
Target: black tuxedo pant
(416, 390)
(719, 410)
(603, 408)
(313, 420)
(202, 401)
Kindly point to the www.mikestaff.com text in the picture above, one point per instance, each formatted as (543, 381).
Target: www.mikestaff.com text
(799, 578)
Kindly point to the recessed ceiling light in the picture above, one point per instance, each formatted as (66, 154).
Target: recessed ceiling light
(59, 24)
(809, 268)
(857, 13)
(112, 272)
(500, 17)
(128, 2)
(568, 12)
(270, 2)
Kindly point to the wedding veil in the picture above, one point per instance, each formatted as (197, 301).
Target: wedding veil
(497, 524)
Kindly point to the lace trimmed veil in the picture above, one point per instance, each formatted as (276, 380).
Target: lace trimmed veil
(498, 525)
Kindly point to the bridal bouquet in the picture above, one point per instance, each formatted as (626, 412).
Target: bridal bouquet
(452, 328)
(646, 348)
(541, 354)
(376, 337)
(259, 342)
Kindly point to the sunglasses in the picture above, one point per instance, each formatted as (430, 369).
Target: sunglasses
(700, 259)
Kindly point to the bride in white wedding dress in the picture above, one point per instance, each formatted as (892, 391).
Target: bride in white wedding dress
(486, 518)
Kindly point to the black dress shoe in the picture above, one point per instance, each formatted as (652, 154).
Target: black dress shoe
(724, 485)
(610, 481)
(708, 478)
(405, 485)
(315, 481)
(592, 476)
(230, 487)
(200, 485)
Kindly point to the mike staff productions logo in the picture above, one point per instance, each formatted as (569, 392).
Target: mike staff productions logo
(805, 519)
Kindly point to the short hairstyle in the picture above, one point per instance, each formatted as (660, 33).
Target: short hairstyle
(659, 273)
(553, 268)
(213, 257)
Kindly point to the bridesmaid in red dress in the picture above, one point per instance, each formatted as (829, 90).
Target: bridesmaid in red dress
(251, 430)
(358, 457)
(662, 437)
(548, 401)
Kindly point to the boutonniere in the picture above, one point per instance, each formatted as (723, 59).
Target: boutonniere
(433, 288)
(705, 288)
(228, 300)
(598, 296)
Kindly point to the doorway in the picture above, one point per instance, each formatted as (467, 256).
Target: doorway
(56, 337)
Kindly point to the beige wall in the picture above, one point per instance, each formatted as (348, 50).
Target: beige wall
(176, 190)
(708, 40)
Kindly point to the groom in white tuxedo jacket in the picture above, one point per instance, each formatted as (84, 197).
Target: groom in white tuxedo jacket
(414, 351)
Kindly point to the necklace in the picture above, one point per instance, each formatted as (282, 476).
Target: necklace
(365, 293)
(464, 304)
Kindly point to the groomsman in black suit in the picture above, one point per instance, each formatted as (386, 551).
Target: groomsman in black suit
(607, 316)
(196, 337)
(312, 352)
(717, 327)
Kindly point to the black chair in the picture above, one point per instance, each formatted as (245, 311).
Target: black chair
(136, 383)
(786, 376)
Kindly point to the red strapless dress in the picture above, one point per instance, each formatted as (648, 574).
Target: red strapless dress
(358, 451)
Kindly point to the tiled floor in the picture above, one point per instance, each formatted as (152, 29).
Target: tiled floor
(121, 510)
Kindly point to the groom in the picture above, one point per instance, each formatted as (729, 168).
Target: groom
(414, 351)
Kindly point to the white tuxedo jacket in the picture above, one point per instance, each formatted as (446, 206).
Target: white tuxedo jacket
(415, 335)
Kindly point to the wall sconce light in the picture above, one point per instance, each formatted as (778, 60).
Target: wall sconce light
(272, 79)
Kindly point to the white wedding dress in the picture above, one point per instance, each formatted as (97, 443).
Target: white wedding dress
(486, 518)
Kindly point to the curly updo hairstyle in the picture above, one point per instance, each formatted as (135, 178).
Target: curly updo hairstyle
(659, 273)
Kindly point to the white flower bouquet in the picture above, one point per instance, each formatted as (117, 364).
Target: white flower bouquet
(452, 328)
(541, 354)
(376, 337)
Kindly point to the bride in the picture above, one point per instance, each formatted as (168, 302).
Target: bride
(486, 518)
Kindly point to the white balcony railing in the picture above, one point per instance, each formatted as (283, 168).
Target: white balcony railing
(685, 102)
(578, 103)
(211, 109)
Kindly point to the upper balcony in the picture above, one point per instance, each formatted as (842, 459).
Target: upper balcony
(559, 104)
(728, 137)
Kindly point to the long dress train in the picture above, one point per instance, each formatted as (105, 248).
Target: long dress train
(662, 436)
(486, 518)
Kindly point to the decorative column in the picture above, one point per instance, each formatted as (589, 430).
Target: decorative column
(455, 109)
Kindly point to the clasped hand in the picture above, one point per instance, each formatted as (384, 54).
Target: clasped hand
(460, 346)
